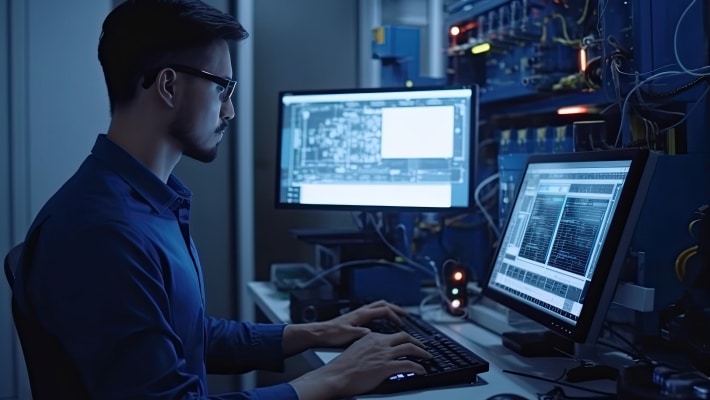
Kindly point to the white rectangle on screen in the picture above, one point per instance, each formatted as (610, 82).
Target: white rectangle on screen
(418, 132)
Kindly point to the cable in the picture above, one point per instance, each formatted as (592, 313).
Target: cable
(476, 197)
(395, 250)
(687, 86)
(405, 239)
(615, 69)
(559, 383)
(584, 13)
(601, 15)
(424, 301)
(675, 46)
(682, 260)
(690, 110)
(564, 26)
(639, 353)
(346, 264)
(618, 348)
(356, 220)
(431, 268)
(632, 91)
(486, 142)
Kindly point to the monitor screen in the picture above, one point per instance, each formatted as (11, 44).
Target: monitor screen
(359, 149)
(566, 238)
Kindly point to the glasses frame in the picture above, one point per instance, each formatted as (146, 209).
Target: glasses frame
(229, 85)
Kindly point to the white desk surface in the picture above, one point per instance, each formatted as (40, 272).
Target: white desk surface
(486, 344)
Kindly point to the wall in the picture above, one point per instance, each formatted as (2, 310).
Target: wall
(54, 108)
(62, 61)
(8, 374)
(305, 44)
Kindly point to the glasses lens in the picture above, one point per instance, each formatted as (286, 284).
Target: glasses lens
(228, 91)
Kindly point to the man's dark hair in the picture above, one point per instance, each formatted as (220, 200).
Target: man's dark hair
(139, 36)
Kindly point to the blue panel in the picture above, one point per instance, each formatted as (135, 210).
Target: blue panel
(655, 22)
(662, 231)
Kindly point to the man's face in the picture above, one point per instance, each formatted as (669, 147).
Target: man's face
(201, 116)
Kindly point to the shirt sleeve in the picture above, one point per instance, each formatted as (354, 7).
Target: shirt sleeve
(102, 294)
(237, 347)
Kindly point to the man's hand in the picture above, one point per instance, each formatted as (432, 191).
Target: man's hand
(362, 367)
(347, 328)
(338, 331)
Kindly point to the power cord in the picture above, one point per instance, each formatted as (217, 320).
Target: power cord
(636, 351)
(526, 375)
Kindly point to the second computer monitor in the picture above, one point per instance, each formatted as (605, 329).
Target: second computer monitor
(365, 149)
(566, 238)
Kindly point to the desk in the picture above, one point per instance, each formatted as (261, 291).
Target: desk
(275, 306)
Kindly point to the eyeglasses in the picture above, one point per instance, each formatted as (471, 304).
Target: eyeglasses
(227, 84)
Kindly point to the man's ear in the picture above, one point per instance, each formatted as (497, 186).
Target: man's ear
(166, 86)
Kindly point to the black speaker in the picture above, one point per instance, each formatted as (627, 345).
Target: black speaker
(318, 304)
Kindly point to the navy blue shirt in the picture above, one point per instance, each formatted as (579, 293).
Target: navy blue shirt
(116, 278)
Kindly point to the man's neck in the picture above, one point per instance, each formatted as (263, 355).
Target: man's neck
(146, 145)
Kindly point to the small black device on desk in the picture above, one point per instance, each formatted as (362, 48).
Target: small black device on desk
(318, 303)
(451, 364)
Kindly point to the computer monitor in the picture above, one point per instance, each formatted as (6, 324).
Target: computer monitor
(566, 239)
(377, 149)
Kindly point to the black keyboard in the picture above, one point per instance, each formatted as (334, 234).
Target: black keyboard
(451, 364)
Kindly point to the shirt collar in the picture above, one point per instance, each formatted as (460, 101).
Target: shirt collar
(159, 195)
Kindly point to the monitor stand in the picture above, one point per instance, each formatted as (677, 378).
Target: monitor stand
(341, 236)
(335, 236)
(545, 343)
(542, 343)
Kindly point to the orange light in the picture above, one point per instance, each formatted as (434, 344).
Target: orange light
(455, 30)
(582, 60)
(455, 303)
(458, 275)
(573, 110)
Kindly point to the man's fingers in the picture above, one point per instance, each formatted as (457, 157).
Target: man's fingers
(401, 338)
(411, 348)
(384, 303)
(401, 366)
(378, 303)
(368, 314)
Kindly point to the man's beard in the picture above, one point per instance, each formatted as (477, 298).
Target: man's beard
(180, 131)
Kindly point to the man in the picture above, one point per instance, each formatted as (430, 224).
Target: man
(111, 281)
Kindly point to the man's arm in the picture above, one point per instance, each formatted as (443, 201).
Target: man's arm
(370, 360)
(102, 293)
(238, 347)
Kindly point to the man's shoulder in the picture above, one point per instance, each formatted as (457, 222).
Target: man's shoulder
(90, 198)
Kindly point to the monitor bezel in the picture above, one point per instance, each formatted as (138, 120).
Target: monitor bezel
(611, 258)
(472, 156)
